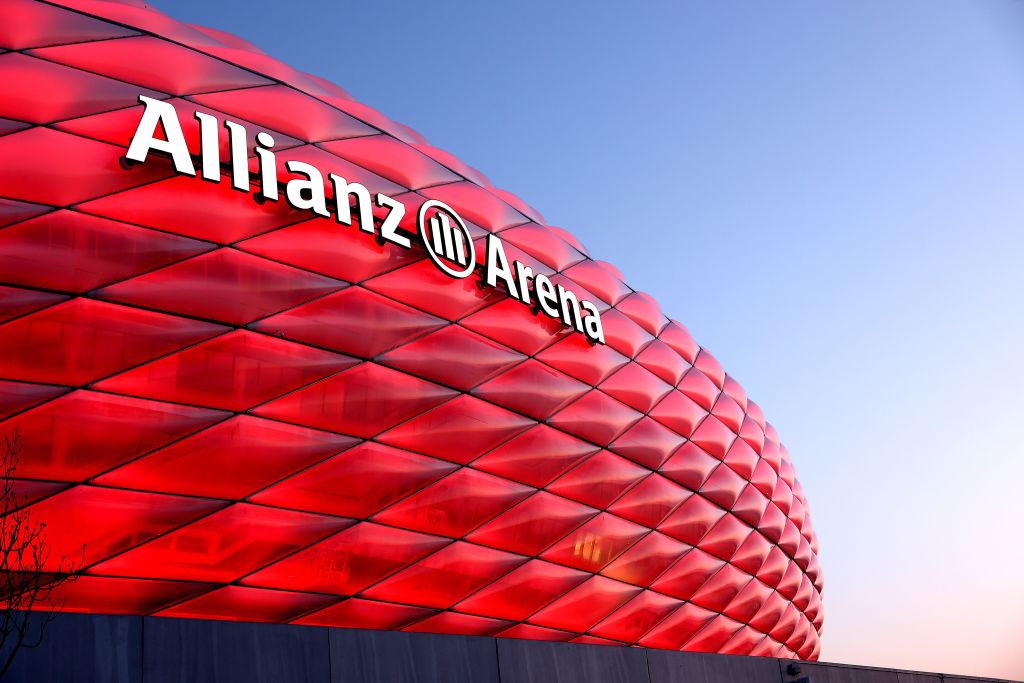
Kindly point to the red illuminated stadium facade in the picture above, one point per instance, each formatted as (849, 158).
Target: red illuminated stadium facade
(245, 410)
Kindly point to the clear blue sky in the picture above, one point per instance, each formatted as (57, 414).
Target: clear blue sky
(829, 194)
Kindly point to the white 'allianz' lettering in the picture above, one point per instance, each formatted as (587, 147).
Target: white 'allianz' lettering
(306, 190)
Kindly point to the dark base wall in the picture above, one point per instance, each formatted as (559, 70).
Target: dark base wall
(123, 649)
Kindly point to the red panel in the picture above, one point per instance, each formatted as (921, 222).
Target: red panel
(743, 642)
(460, 430)
(688, 575)
(31, 24)
(624, 335)
(679, 413)
(752, 554)
(15, 302)
(596, 417)
(599, 480)
(721, 589)
(644, 311)
(742, 458)
(242, 455)
(423, 286)
(723, 487)
(224, 546)
(774, 567)
(714, 636)
(755, 413)
(713, 436)
(348, 562)
(748, 602)
(451, 161)
(235, 371)
(82, 340)
(9, 126)
(533, 525)
(39, 91)
(447, 576)
(692, 520)
(596, 543)
(710, 366)
(85, 433)
(787, 624)
(636, 617)
(585, 605)
(453, 356)
(288, 111)
(123, 596)
(47, 166)
(577, 358)
(647, 443)
(369, 614)
(751, 505)
(464, 624)
(18, 396)
(321, 245)
(392, 159)
(536, 456)
(753, 434)
(659, 358)
(728, 412)
(355, 321)
(528, 632)
(523, 591)
(25, 491)
(699, 387)
(679, 339)
(356, 483)
(690, 466)
(650, 501)
(677, 628)
(773, 523)
(513, 324)
(455, 505)
(214, 211)
(636, 387)
(225, 285)
(143, 60)
(237, 603)
(363, 401)
(594, 640)
(599, 280)
(532, 388)
(86, 523)
(92, 251)
(643, 562)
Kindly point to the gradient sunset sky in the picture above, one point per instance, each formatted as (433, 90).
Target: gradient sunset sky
(830, 195)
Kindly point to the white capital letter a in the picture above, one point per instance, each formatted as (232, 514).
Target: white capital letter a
(145, 138)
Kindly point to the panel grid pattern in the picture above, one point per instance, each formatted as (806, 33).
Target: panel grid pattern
(245, 413)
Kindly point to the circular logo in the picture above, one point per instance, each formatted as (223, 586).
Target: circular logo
(446, 239)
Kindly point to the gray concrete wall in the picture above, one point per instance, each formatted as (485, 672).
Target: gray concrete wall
(127, 649)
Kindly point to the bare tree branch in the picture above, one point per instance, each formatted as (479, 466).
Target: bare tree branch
(29, 581)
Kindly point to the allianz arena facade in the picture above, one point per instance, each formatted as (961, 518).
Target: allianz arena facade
(246, 409)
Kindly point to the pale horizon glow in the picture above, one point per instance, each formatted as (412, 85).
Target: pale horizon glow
(829, 195)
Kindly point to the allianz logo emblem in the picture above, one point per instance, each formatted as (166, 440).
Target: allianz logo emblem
(446, 239)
